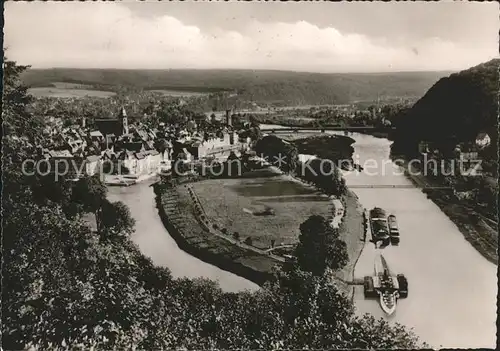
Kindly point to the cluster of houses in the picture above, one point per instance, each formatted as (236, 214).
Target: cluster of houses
(114, 146)
(466, 162)
(89, 145)
(203, 141)
(464, 155)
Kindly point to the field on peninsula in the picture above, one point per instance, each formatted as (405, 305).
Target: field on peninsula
(238, 204)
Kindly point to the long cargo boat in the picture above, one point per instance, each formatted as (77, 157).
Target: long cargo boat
(379, 225)
(393, 229)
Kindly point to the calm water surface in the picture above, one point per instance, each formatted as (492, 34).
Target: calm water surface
(452, 288)
(155, 242)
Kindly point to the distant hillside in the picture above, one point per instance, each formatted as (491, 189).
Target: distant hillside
(293, 88)
(455, 109)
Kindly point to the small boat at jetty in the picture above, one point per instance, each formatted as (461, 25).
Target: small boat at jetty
(393, 229)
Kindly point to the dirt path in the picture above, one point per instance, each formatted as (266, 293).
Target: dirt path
(352, 232)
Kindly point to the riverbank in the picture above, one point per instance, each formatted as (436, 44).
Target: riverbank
(339, 149)
(156, 243)
(352, 232)
(432, 254)
(179, 220)
(480, 234)
(127, 180)
(380, 135)
(336, 148)
(178, 213)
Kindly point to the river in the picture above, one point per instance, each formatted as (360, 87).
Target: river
(154, 241)
(452, 288)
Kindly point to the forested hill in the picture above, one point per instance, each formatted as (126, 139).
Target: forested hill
(455, 109)
(260, 86)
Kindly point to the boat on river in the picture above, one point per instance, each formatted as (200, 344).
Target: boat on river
(120, 182)
(386, 286)
(379, 226)
(393, 229)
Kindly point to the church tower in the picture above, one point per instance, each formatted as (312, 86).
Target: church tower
(124, 121)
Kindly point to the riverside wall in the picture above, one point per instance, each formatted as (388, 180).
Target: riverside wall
(220, 260)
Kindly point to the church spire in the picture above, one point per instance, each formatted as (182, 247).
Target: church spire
(123, 113)
(124, 120)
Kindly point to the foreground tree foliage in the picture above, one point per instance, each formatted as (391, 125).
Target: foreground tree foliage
(66, 288)
(90, 193)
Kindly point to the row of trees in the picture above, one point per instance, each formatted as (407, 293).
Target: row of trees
(323, 173)
(64, 287)
(278, 152)
(320, 247)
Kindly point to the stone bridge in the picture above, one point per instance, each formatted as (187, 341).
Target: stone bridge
(359, 129)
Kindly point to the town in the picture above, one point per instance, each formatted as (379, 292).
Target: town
(134, 151)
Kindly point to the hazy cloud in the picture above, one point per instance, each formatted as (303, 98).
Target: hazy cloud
(110, 35)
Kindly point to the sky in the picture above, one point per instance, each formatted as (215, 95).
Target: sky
(308, 36)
